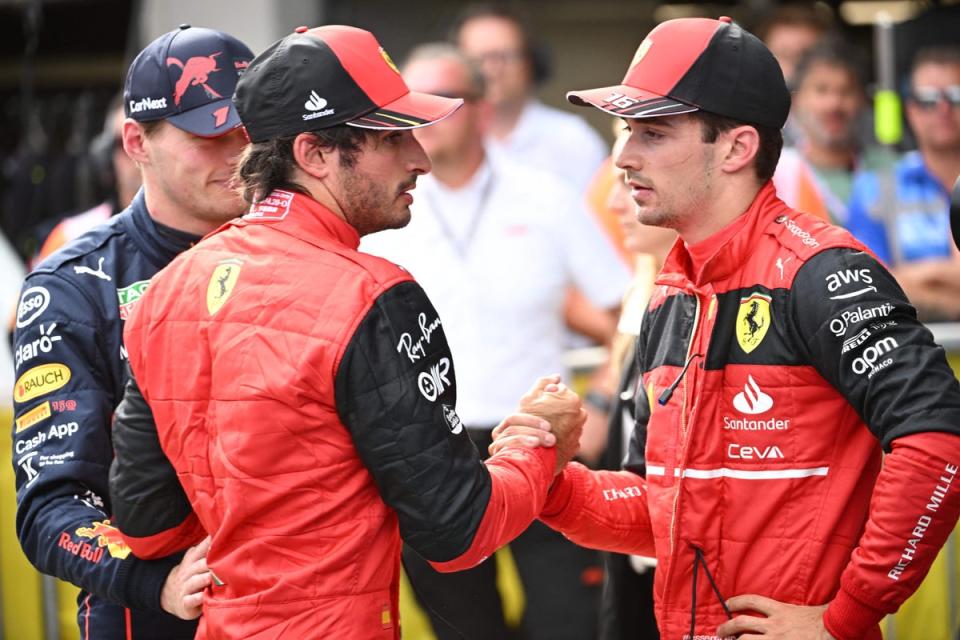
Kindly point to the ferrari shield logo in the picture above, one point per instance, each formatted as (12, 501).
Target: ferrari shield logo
(388, 60)
(753, 321)
(221, 284)
(641, 51)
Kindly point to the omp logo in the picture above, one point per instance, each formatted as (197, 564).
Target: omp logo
(867, 361)
(33, 302)
(746, 452)
(752, 400)
(107, 536)
(41, 380)
(38, 414)
(844, 277)
(434, 382)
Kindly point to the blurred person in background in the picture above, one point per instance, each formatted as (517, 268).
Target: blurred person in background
(495, 244)
(521, 126)
(116, 172)
(829, 102)
(789, 31)
(903, 213)
(528, 131)
(183, 133)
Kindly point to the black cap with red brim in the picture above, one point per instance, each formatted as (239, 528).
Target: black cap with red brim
(334, 75)
(697, 64)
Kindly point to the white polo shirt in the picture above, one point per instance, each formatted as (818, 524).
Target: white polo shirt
(555, 141)
(495, 257)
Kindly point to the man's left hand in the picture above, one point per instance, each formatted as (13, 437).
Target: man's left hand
(782, 621)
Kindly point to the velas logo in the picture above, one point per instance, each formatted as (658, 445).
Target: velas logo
(40, 381)
(317, 105)
(107, 536)
(752, 400)
(195, 72)
(452, 419)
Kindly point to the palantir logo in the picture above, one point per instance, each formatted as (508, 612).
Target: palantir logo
(315, 102)
(752, 400)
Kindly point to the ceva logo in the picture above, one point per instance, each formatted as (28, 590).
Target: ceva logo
(752, 400)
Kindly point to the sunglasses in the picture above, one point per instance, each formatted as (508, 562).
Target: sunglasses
(930, 97)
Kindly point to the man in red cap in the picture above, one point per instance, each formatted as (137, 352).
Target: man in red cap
(304, 393)
(778, 360)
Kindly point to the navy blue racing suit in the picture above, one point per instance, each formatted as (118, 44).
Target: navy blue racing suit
(70, 374)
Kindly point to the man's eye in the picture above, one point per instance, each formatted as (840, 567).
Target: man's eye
(652, 135)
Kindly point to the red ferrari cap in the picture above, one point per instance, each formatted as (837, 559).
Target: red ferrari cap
(697, 64)
(318, 78)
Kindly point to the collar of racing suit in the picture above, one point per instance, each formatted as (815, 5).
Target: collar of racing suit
(303, 218)
(725, 251)
(158, 246)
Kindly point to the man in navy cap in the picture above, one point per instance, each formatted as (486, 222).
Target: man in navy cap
(183, 132)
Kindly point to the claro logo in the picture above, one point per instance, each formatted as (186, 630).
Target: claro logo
(40, 381)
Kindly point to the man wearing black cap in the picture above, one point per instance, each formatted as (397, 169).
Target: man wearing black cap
(182, 131)
(313, 420)
(779, 359)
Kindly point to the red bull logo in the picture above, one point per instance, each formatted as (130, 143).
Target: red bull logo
(195, 72)
(107, 536)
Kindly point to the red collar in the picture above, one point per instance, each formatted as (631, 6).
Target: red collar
(722, 253)
(302, 217)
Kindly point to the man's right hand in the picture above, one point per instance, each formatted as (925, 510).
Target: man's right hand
(182, 593)
(552, 401)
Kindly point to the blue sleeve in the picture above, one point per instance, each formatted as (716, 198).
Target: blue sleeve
(871, 232)
(67, 376)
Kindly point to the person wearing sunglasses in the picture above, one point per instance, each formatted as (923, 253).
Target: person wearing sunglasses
(903, 214)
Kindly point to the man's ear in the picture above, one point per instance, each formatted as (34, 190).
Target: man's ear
(313, 159)
(135, 141)
(742, 145)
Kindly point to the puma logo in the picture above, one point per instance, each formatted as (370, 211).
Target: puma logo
(98, 273)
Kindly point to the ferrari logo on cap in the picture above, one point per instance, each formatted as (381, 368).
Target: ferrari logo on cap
(386, 58)
(221, 284)
(753, 321)
(641, 51)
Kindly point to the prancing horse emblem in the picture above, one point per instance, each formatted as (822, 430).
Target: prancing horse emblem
(753, 321)
(222, 281)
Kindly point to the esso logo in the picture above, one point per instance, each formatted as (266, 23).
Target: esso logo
(33, 302)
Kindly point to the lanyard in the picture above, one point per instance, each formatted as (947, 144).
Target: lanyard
(462, 246)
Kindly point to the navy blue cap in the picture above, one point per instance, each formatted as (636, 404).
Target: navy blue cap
(187, 76)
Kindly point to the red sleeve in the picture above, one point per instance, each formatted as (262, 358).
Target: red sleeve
(915, 505)
(604, 510)
(185, 535)
(520, 479)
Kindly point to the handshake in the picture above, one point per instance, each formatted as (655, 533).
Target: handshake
(550, 415)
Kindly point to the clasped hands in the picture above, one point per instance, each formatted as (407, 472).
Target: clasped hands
(550, 414)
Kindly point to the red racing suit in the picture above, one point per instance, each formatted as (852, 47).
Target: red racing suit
(778, 359)
(305, 395)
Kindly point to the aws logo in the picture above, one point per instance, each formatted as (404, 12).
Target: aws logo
(40, 381)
